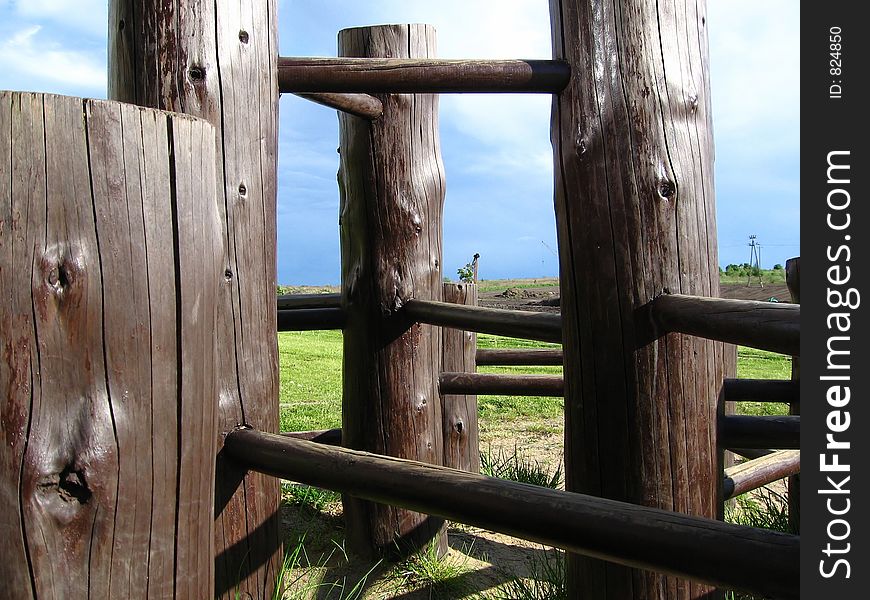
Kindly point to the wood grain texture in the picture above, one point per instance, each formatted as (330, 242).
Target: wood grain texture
(753, 474)
(111, 264)
(501, 384)
(648, 538)
(360, 105)
(459, 411)
(518, 357)
(391, 179)
(635, 216)
(217, 60)
(765, 325)
(544, 327)
(420, 75)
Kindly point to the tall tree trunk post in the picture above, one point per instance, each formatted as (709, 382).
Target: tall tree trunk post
(793, 280)
(110, 260)
(392, 193)
(459, 411)
(635, 215)
(218, 60)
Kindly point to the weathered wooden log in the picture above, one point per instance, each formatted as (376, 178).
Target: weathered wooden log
(294, 301)
(420, 75)
(217, 60)
(646, 538)
(498, 383)
(741, 431)
(360, 105)
(761, 390)
(110, 263)
(765, 325)
(459, 410)
(544, 327)
(330, 437)
(518, 357)
(793, 280)
(755, 473)
(635, 214)
(307, 319)
(392, 194)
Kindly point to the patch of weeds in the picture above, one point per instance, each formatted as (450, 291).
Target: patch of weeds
(546, 579)
(764, 508)
(442, 577)
(299, 580)
(306, 496)
(516, 467)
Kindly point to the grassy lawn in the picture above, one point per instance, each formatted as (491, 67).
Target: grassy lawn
(310, 396)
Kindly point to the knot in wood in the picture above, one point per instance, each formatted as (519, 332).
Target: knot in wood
(196, 73)
(243, 191)
(667, 188)
(693, 102)
(228, 275)
(243, 36)
(459, 427)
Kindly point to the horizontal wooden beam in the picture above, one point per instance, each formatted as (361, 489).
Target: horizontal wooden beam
(306, 319)
(762, 390)
(741, 431)
(360, 105)
(519, 357)
(544, 327)
(498, 383)
(295, 301)
(416, 75)
(764, 325)
(647, 538)
(755, 473)
(330, 437)
(751, 453)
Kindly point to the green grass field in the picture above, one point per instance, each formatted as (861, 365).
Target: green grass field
(310, 394)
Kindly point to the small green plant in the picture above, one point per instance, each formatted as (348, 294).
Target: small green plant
(513, 466)
(546, 580)
(307, 496)
(442, 577)
(466, 273)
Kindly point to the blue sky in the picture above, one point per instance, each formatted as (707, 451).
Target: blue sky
(496, 148)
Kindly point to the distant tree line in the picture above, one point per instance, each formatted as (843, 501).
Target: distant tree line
(745, 270)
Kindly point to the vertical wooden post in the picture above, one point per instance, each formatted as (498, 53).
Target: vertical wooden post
(109, 267)
(459, 412)
(392, 193)
(218, 60)
(793, 280)
(636, 218)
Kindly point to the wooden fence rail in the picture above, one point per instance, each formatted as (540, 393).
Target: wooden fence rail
(497, 383)
(755, 473)
(293, 301)
(420, 75)
(741, 431)
(518, 357)
(761, 390)
(647, 538)
(307, 319)
(763, 325)
(360, 105)
(543, 327)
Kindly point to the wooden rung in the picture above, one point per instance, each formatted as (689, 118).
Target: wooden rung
(544, 327)
(498, 383)
(755, 473)
(296, 301)
(741, 431)
(414, 75)
(307, 319)
(519, 357)
(762, 390)
(637, 536)
(765, 325)
(361, 105)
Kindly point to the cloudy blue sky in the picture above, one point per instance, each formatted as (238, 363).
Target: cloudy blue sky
(496, 148)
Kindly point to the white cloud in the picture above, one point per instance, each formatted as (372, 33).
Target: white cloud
(86, 15)
(31, 58)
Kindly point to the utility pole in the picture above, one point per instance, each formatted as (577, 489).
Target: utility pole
(754, 260)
